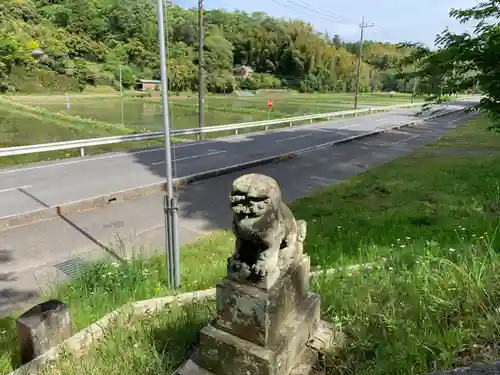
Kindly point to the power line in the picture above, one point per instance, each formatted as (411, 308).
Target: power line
(322, 13)
(334, 16)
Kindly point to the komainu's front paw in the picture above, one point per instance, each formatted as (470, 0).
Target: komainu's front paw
(260, 268)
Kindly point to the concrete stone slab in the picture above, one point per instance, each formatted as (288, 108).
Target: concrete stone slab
(257, 315)
(226, 354)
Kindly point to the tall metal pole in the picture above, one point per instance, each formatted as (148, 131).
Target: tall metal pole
(201, 67)
(363, 25)
(170, 205)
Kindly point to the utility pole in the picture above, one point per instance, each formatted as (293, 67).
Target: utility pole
(171, 208)
(121, 95)
(121, 79)
(414, 91)
(362, 26)
(201, 67)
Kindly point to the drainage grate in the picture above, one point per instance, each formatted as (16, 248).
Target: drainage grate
(73, 267)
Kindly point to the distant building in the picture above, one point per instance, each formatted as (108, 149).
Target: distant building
(243, 71)
(148, 84)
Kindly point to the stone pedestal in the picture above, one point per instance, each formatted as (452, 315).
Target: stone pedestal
(43, 327)
(258, 331)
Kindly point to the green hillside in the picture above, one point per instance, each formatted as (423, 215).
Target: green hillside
(87, 41)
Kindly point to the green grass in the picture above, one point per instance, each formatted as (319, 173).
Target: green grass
(429, 194)
(429, 308)
(156, 344)
(434, 304)
(411, 316)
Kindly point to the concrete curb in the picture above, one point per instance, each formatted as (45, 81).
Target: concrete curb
(80, 343)
(16, 220)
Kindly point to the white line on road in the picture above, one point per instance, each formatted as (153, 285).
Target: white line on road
(191, 157)
(297, 136)
(347, 126)
(107, 156)
(15, 188)
(381, 119)
(407, 139)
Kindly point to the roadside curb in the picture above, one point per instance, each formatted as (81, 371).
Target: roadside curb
(43, 214)
(80, 343)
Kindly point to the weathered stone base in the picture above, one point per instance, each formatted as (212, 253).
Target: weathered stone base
(257, 315)
(325, 339)
(225, 354)
(304, 366)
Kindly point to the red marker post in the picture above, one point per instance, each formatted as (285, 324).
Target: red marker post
(269, 106)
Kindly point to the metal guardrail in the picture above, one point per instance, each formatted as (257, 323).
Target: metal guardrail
(92, 142)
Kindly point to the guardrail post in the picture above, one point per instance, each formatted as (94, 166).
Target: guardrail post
(235, 131)
(82, 152)
(290, 124)
(266, 127)
(310, 121)
(354, 114)
(369, 111)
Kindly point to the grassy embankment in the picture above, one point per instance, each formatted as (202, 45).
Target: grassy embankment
(434, 304)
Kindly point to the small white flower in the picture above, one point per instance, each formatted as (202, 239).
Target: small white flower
(402, 246)
(408, 238)
(452, 250)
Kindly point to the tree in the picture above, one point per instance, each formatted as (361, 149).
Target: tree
(106, 34)
(462, 60)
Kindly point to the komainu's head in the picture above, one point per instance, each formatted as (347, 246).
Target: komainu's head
(252, 195)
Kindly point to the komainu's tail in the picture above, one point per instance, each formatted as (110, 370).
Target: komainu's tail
(301, 230)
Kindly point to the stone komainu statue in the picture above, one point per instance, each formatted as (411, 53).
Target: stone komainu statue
(268, 238)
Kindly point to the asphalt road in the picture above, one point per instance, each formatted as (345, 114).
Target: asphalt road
(37, 186)
(34, 254)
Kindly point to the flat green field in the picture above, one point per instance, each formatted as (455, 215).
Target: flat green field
(219, 110)
(433, 304)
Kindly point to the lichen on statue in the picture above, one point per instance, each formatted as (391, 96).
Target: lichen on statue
(268, 238)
